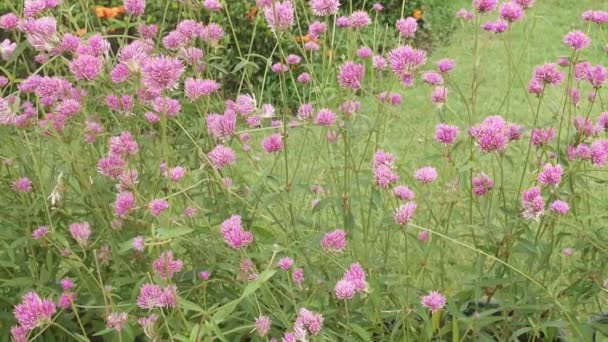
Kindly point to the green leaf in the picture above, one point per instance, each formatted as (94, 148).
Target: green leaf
(173, 232)
(361, 332)
(190, 306)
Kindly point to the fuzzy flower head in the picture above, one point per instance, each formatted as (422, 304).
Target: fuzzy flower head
(117, 320)
(511, 11)
(482, 183)
(446, 134)
(158, 206)
(80, 231)
(273, 143)
(166, 266)
(124, 204)
(194, 88)
(403, 192)
(551, 175)
(492, 134)
(426, 175)
(359, 19)
(285, 263)
(279, 15)
(134, 7)
(323, 8)
(351, 75)
(548, 74)
(40, 232)
(234, 234)
(432, 78)
(263, 325)
(334, 241)
(465, 15)
(298, 276)
(407, 27)
(446, 65)
(86, 67)
(23, 185)
(325, 117)
(33, 311)
(222, 156)
(559, 207)
(484, 6)
(577, 40)
(345, 289)
(404, 60)
(403, 215)
(532, 203)
(542, 136)
(311, 321)
(162, 72)
(433, 301)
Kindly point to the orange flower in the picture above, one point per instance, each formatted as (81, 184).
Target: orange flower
(303, 39)
(252, 13)
(81, 32)
(108, 12)
(417, 14)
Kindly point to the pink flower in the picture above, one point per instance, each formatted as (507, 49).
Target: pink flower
(492, 134)
(263, 325)
(532, 203)
(324, 8)
(351, 75)
(147, 322)
(204, 275)
(123, 145)
(577, 40)
(484, 6)
(377, 7)
(176, 173)
(298, 276)
(304, 78)
(425, 175)
(356, 275)
(40, 232)
(195, 88)
(316, 29)
(359, 19)
(559, 207)
(325, 117)
(404, 60)
(279, 68)
(33, 311)
(212, 5)
(446, 65)
(23, 185)
(384, 176)
(134, 7)
(139, 243)
(293, 59)
(464, 14)
(285, 263)
(234, 234)
(165, 266)
(567, 252)
(433, 301)
(542, 136)
(402, 192)
(212, 34)
(446, 134)
(6, 49)
(423, 236)
(432, 78)
(80, 231)
(525, 4)
(313, 322)
(403, 215)
(157, 206)
(124, 204)
(279, 15)
(222, 126)
(511, 11)
(273, 143)
(222, 156)
(86, 67)
(66, 299)
(482, 184)
(498, 26)
(551, 175)
(364, 52)
(162, 72)
(407, 27)
(379, 63)
(9, 21)
(548, 74)
(117, 320)
(345, 289)
(334, 241)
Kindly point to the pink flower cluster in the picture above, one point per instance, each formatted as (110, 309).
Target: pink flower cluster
(153, 296)
(234, 234)
(353, 281)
